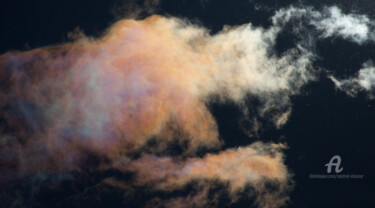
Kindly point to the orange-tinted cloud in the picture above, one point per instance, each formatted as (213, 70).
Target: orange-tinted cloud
(253, 166)
(149, 81)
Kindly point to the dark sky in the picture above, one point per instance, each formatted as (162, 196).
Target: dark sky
(324, 121)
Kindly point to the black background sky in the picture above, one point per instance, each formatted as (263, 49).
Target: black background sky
(324, 121)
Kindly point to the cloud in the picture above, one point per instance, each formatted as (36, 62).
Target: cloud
(252, 166)
(350, 26)
(364, 81)
(330, 22)
(136, 100)
(142, 80)
(141, 89)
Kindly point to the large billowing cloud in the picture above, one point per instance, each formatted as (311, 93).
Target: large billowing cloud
(137, 100)
(131, 95)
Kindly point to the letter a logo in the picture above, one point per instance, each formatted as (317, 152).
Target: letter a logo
(335, 161)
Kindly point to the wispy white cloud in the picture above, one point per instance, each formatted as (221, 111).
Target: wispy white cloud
(333, 22)
(363, 81)
(330, 22)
